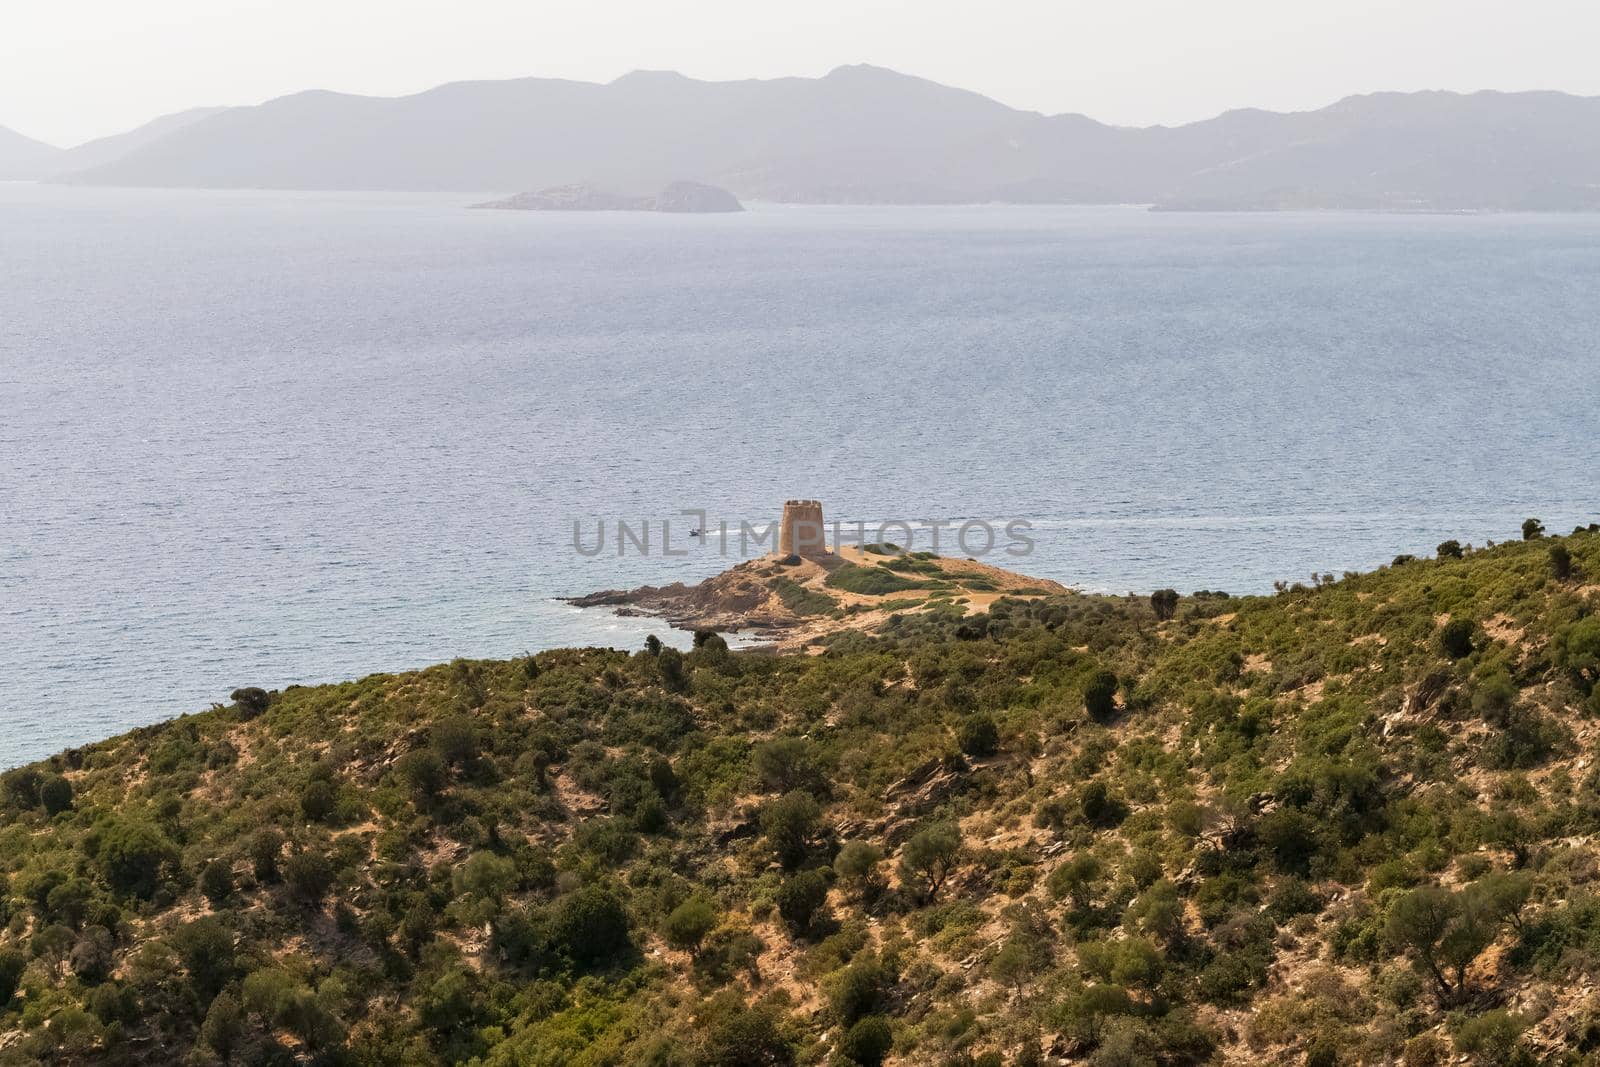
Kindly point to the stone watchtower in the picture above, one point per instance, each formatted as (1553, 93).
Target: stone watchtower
(801, 532)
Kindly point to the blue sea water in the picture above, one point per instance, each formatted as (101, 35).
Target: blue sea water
(266, 438)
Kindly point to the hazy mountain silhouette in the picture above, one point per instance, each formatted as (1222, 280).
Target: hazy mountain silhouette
(109, 149)
(866, 135)
(23, 157)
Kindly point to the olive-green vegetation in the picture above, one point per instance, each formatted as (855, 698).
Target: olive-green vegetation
(1357, 822)
(802, 601)
(871, 581)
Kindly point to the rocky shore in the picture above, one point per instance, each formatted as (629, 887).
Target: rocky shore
(792, 601)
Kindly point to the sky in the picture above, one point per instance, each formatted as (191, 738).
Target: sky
(71, 70)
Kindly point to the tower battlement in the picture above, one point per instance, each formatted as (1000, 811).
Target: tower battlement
(801, 531)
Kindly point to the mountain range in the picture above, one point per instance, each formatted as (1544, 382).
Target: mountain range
(862, 134)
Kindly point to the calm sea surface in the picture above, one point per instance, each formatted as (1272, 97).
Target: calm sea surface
(251, 438)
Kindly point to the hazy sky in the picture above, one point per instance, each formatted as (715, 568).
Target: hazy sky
(75, 69)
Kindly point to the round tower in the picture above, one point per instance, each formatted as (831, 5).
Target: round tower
(801, 532)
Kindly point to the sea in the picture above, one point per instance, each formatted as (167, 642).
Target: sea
(268, 438)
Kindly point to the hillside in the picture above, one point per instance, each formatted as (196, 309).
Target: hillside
(23, 157)
(866, 135)
(1354, 822)
(103, 150)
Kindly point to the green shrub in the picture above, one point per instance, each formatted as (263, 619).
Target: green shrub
(746, 1038)
(978, 735)
(858, 990)
(800, 898)
(308, 875)
(132, 854)
(12, 964)
(216, 882)
(687, 925)
(1099, 696)
(857, 866)
(789, 823)
(1494, 1038)
(55, 793)
(867, 1042)
(1456, 638)
(318, 800)
(590, 926)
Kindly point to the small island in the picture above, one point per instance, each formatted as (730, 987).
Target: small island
(683, 198)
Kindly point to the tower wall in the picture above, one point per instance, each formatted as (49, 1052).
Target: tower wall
(801, 532)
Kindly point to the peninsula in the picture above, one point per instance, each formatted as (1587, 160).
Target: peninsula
(803, 592)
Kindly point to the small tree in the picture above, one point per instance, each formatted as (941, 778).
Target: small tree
(1450, 550)
(1158, 912)
(265, 846)
(868, 1042)
(132, 854)
(1087, 1012)
(224, 1025)
(652, 645)
(1494, 1037)
(1164, 602)
(785, 764)
(1099, 696)
(1501, 896)
(858, 990)
(857, 866)
(309, 876)
(1560, 561)
(1099, 806)
(800, 898)
(1014, 964)
(1532, 529)
(1075, 880)
(216, 882)
(486, 878)
(674, 674)
(12, 964)
(456, 740)
(590, 925)
(688, 924)
(746, 1037)
(979, 736)
(318, 800)
(55, 793)
(928, 858)
(1578, 651)
(789, 823)
(1442, 931)
(424, 771)
(1456, 638)
(206, 948)
(251, 701)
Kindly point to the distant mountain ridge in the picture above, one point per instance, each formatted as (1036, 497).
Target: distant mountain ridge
(105, 150)
(862, 134)
(23, 157)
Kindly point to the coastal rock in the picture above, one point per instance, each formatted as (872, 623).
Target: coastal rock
(696, 198)
(682, 198)
(571, 198)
